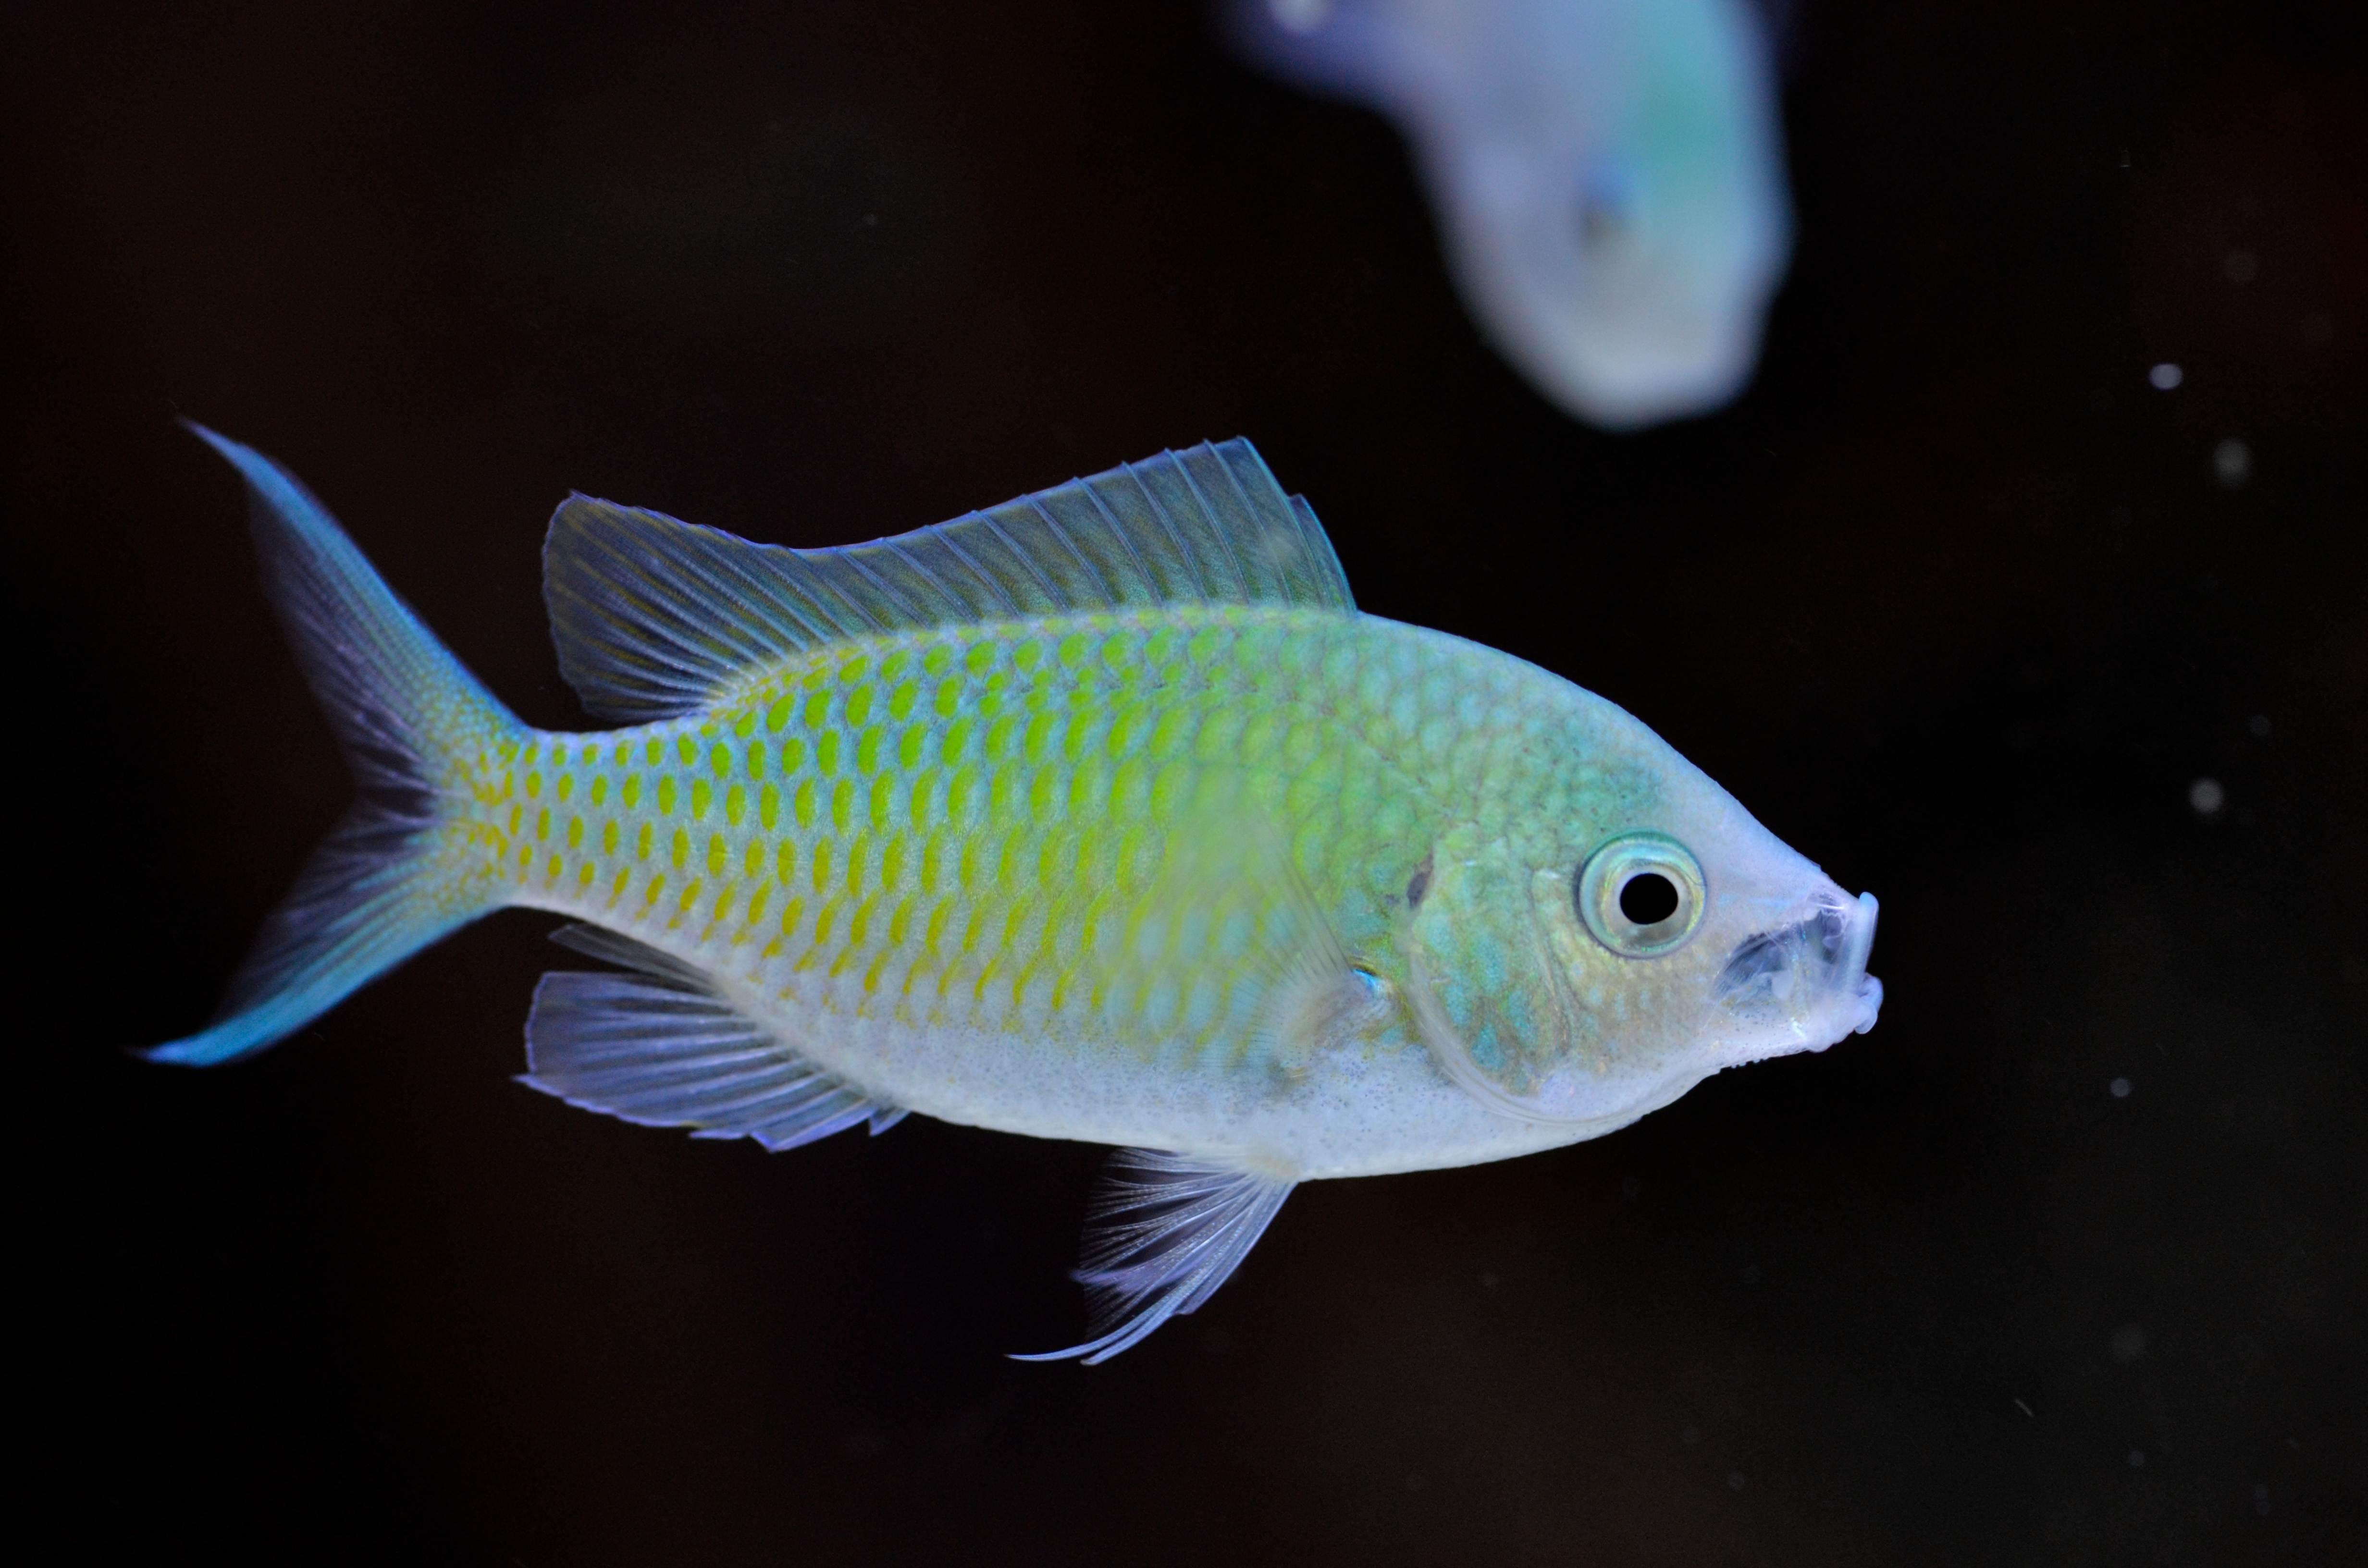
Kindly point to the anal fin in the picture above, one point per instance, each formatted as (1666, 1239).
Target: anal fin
(1164, 1232)
(656, 1045)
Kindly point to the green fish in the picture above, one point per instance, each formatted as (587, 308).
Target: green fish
(1103, 814)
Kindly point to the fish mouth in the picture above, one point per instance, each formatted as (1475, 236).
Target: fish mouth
(1812, 972)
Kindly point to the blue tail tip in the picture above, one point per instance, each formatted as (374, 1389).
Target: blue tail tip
(207, 1048)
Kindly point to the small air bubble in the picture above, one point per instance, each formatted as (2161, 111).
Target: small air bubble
(2119, 1088)
(2129, 1341)
(2137, 1458)
(2166, 376)
(2206, 797)
(2259, 725)
(2232, 464)
(1734, 1481)
(2241, 266)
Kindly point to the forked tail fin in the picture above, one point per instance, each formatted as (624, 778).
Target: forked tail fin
(406, 866)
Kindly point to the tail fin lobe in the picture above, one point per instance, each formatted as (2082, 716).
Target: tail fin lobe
(402, 870)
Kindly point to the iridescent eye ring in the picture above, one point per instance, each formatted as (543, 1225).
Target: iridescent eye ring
(1641, 894)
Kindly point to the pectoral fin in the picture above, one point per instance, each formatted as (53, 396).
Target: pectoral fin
(1164, 1231)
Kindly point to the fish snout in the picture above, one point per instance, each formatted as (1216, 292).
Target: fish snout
(1805, 985)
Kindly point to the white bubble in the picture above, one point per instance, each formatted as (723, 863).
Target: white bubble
(2206, 796)
(2137, 1458)
(2166, 376)
(2119, 1088)
(2259, 725)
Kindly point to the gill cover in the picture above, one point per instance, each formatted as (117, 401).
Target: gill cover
(1536, 1015)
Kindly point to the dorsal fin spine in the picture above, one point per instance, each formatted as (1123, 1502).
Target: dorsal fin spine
(1184, 472)
(1167, 526)
(886, 592)
(1239, 491)
(1201, 495)
(1109, 594)
(1141, 567)
(1294, 506)
(917, 567)
(1183, 542)
(946, 537)
(1022, 556)
(809, 601)
(806, 605)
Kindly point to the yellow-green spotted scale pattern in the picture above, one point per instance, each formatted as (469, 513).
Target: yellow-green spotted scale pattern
(971, 827)
(1103, 814)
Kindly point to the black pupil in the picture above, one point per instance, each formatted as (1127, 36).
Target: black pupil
(1649, 898)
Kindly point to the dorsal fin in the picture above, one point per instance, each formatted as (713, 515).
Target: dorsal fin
(653, 618)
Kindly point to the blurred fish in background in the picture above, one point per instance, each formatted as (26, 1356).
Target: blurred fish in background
(1609, 175)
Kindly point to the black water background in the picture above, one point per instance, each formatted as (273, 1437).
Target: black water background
(1954, 599)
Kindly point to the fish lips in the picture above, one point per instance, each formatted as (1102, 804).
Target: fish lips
(1804, 982)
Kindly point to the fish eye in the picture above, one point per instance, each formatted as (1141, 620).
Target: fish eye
(1640, 894)
(1649, 898)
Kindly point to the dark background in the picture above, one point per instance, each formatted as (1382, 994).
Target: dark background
(1953, 599)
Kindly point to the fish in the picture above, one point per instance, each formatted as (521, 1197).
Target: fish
(1103, 814)
(1609, 177)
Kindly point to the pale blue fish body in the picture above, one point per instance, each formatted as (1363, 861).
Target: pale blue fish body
(1609, 177)
(1103, 814)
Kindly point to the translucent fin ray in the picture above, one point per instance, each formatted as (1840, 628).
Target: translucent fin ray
(654, 617)
(1164, 1232)
(394, 875)
(655, 1045)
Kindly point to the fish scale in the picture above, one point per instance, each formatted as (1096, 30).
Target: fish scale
(1103, 814)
